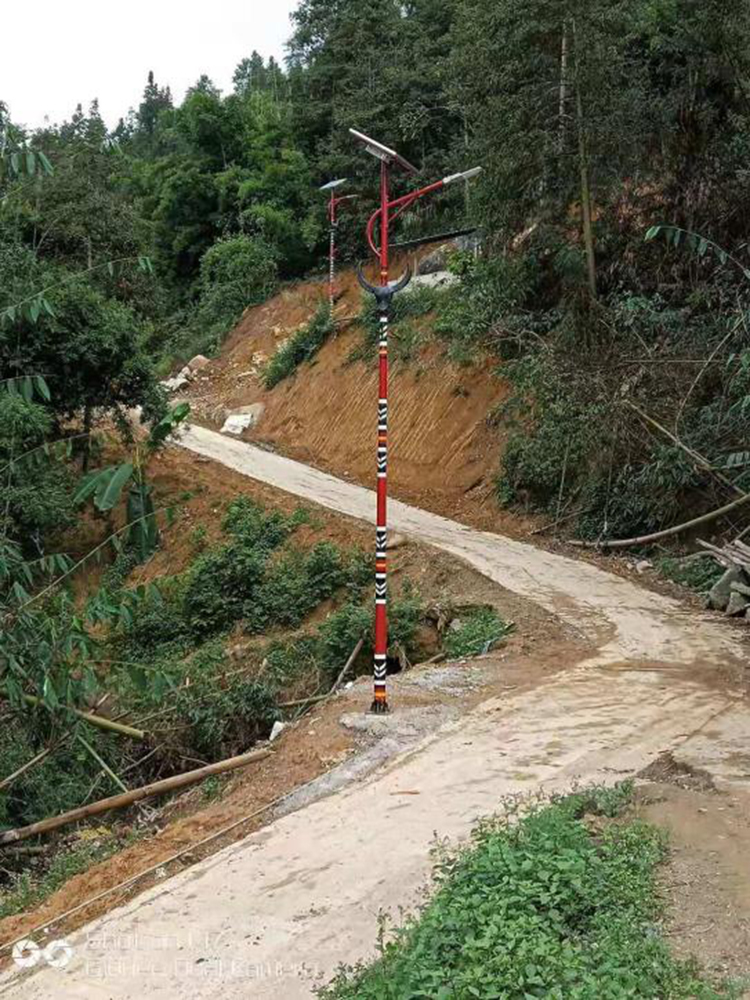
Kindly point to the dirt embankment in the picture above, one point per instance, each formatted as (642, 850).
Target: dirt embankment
(444, 453)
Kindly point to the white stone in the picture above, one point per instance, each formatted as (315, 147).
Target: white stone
(278, 729)
(440, 279)
(236, 423)
(175, 383)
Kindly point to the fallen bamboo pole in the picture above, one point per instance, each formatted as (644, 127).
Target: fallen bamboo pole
(626, 543)
(136, 795)
(95, 720)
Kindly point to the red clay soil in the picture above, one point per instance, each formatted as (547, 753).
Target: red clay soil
(445, 452)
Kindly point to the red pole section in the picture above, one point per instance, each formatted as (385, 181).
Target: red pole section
(380, 701)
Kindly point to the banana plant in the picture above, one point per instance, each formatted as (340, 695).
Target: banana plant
(106, 486)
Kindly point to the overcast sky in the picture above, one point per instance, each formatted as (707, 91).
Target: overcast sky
(57, 53)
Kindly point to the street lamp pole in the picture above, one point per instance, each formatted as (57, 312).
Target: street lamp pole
(333, 205)
(384, 293)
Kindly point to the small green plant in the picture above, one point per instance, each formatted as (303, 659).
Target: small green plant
(302, 346)
(476, 632)
(699, 574)
(541, 905)
(198, 539)
(27, 890)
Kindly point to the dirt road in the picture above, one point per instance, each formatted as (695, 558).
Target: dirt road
(275, 914)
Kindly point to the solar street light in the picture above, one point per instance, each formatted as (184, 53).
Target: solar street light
(333, 205)
(384, 293)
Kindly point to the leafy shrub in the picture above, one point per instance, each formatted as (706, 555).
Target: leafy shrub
(302, 346)
(226, 721)
(57, 783)
(156, 623)
(37, 489)
(537, 908)
(479, 312)
(220, 582)
(293, 586)
(477, 632)
(553, 432)
(236, 272)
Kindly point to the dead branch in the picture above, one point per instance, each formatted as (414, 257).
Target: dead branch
(337, 684)
(94, 720)
(129, 798)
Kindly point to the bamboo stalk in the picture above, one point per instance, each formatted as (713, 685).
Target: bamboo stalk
(24, 768)
(136, 795)
(322, 697)
(103, 764)
(626, 543)
(696, 456)
(95, 720)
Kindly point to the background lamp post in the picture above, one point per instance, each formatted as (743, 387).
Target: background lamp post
(333, 205)
(384, 293)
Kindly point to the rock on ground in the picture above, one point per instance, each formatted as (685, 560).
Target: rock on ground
(245, 417)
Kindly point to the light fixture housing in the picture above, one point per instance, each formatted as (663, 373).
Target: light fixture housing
(331, 185)
(465, 175)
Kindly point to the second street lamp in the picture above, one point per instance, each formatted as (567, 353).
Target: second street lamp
(333, 205)
(384, 293)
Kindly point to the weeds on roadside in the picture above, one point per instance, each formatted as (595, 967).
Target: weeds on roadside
(302, 346)
(477, 632)
(545, 905)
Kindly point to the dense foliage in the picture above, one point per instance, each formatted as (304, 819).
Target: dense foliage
(539, 906)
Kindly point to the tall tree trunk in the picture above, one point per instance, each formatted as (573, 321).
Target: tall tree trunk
(583, 155)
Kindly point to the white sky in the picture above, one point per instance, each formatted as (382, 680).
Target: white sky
(57, 53)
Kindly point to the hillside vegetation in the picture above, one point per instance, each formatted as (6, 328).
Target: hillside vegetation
(610, 293)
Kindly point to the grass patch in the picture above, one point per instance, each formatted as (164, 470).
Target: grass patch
(476, 633)
(302, 346)
(545, 905)
(29, 889)
(699, 574)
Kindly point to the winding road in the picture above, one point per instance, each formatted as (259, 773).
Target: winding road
(274, 915)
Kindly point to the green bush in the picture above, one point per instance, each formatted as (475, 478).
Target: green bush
(302, 346)
(477, 632)
(56, 784)
(225, 721)
(700, 574)
(538, 907)
(481, 312)
(236, 272)
(293, 586)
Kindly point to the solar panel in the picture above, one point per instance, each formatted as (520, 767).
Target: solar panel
(381, 152)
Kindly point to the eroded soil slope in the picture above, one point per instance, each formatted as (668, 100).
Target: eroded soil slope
(445, 450)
